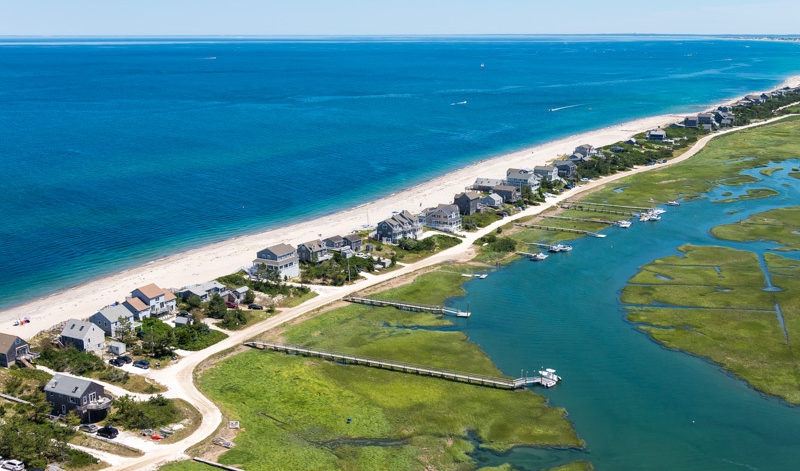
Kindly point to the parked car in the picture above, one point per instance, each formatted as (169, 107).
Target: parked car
(125, 359)
(143, 364)
(116, 362)
(108, 432)
(182, 314)
(13, 465)
(231, 305)
(256, 306)
(147, 432)
(88, 428)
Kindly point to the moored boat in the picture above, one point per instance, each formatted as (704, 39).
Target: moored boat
(673, 203)
(623, 224)
(538, 257)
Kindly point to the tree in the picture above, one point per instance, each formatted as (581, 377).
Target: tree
(249, 296)
(126, 333)
(159, 337)
(216, 307)
(194, 301)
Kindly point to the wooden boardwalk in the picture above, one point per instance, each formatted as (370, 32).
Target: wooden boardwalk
(598, 209)
(567, 218)
(563, 229)
(457, 376)
(637, 208)
(406, 306)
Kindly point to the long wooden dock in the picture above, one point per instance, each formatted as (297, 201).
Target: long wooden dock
(568, 218)
(406, 306)
(563, 229)
(457, 376)
(637, 208)
(597, 209)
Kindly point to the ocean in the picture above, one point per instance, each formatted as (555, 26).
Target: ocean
(115, 152)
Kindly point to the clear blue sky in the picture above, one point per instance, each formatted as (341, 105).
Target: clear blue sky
(364, 17)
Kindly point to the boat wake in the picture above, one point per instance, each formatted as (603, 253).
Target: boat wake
(565, 107)
(459, 103)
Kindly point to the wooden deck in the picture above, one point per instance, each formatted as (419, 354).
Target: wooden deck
(597, 209)
(637, 208)
(406, 306)
(568, 218)
(457, 376)
(563, 229)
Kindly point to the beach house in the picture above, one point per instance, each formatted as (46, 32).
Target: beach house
(520, 177)
(467, 202)
(84, 336)
(204, 291)
(690, 121)
(510, 194)
(548, 172)
(757, 99)
(657, 135)
(281, 258)
(334, 243)
(585, 150)
(706, 118)
(492, 200)
(87, 399)
(486, 184)
(109, 319)
(566, 168)
(14, 349)
(313, 251)
(161, 301)
(138, 307)
(353, 241)
(444, 217)
(402, 225)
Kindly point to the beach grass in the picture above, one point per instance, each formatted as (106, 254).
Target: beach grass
(767, 172)
(781, 225)
(295, 410)
(752, 194)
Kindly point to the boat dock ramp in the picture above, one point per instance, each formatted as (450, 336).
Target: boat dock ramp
(563, 229)
(406, 306)
(546, 378)
(597, 209)
(568, 218)
(633, 208)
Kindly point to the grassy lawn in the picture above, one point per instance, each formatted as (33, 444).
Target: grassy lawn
(752, 194)
(205, 341)
(296, 300)
(103, 445)
(406, 256)
(728, 284)
(719, 163)
(299, 415)
(187, 466)
(767, 172)
(781, 225)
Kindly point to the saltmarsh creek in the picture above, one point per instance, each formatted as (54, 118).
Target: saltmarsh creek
(636, 404)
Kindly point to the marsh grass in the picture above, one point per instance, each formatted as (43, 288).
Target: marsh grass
(778, 225)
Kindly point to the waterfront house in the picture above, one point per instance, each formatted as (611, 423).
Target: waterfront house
(705, 118)
(657, 135)
(139, 309)
(70, 394)
(109, 318)
(402, 225)
(84, 336)
(281, 258)
(690, 121)
(578, 158)
(467, 202)
(566, 168)
(353, 241)
(14, 349)
(754, 99)
(510, 194)
(313, 251)
(631, 141)
(520, 177)
(237, 295)
(492, 200)
(444, 217)
(548, 173)
(617, 149)
(204, 291)
(161, 301)
(486, 184)
(585, 150)
(334, 243)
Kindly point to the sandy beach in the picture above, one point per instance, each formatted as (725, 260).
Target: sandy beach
(226, 257)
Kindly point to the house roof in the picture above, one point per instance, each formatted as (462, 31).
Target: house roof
(504, 188)
(242, 289)
(657, 131)
(151, 291)
(182, 321)
(336, 238)
(67, 385)
(562, 163)
(469, 194)
(481, 181)
(494, 197)
(584, 146)
(168, 295)
(281, 249)
(76, 329)
(352, 237)
(113, 313)
(137, 304)
(445, 208)
(312, 245)
(545, 168)
(7, 341)
(117, 344)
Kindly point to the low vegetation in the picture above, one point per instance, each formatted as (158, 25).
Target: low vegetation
(781, 225)
(153, 413)
(752, 194)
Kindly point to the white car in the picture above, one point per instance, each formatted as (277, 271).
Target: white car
(13, 465)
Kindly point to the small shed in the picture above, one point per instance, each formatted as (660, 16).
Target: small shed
(117, 348)
(183, 321)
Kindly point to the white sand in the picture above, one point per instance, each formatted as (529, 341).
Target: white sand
(226, 257)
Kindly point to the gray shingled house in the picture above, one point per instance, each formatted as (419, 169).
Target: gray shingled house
(86, 398)
(84, 336)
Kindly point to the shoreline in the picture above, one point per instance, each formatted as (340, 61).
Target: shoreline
(208, 262)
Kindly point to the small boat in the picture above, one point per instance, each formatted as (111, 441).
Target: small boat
(549, 373)
(644, 217)
(538, 257)
(657, 211)
(654, 217)
(673, 203)
(555, 248)
(623, 224)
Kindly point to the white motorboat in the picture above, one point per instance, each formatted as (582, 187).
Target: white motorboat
(623, 224)
(559, 248)
(673, 203)
(549, 373)
(538, 257)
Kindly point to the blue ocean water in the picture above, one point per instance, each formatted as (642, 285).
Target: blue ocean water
(116, 152)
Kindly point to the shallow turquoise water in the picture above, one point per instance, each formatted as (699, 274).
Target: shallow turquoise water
(637, 405)
(114, 153)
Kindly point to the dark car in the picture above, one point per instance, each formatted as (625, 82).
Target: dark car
(143, 364)
(257, 306)
(125, 359)
(231, 305)
(116, 362)
(108, 432)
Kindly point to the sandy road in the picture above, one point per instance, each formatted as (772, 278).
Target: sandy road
(178, 378)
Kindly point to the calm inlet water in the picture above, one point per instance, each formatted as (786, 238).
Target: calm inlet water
(113, 153)
(637, 405)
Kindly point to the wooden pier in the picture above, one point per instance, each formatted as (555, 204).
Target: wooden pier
(563, 229)
(406, 306)
(410, 368)
(637, 208)
(568, 218)
(598, 209)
